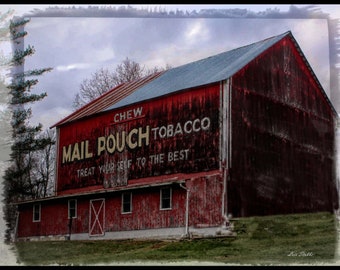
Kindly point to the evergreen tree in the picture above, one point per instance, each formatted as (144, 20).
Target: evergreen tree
(19, 183)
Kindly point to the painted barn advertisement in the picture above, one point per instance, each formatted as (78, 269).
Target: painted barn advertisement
(177, 134)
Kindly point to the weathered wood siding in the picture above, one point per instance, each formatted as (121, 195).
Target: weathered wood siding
(205, 201)
(282, 137)
(54, 220)
(174, 134)
(98, 214)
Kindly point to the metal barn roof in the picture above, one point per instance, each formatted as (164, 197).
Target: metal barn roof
(202, 72)
(107, 99)
(205, 71)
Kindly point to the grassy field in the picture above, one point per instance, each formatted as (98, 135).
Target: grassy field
(270, 240)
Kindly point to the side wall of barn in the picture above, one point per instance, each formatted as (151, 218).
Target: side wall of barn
(282, 137)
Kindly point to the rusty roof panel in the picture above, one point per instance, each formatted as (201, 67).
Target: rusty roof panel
(107, 99)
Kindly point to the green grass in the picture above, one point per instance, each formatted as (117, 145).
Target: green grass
(270, 240)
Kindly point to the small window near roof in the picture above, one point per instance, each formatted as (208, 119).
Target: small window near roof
(165, 198)
(36, 212)
(72, 208)
(127, 202)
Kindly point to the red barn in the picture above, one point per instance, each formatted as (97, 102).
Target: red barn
(245, 132)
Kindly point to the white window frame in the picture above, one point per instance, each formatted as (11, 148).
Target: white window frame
(34, 212)
(161, 207)
(69, 208)
(122, 210)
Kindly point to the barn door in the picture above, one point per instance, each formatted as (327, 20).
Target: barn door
(97, 217)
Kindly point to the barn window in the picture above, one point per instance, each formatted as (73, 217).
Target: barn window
(72, 208)
(165, 198)
(36, 212)
(127, 202)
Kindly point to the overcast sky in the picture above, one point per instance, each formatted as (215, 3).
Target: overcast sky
(77, 47)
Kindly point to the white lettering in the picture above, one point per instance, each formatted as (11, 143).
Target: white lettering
(128, 115)
(121, 140)
(178, 155)
(188, 127)
(85, 172)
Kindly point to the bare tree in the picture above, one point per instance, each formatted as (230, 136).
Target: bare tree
(101, 81)
(44, 171)
(104, 80)
(128, 71)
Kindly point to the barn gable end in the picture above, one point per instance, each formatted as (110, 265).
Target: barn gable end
(283, 157)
